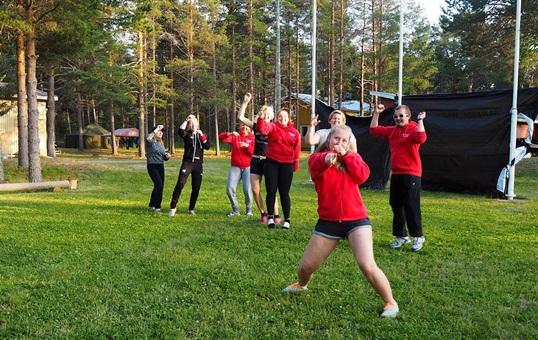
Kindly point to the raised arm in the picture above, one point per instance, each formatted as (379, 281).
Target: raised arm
(151, 136)
(312, 137)
(242, 110)
(375, 118)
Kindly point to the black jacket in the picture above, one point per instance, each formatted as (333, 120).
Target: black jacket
(194, 146)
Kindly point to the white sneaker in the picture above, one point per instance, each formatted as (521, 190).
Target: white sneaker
(399, 242)
(294, 287)
(418, 243)
(157, 210)
(233, 213)
(249, 213)
(271, 223)
(286, 225)
(390, 311)
(191, 212)
(171, 212)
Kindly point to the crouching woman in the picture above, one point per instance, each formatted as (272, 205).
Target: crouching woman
(337, 172)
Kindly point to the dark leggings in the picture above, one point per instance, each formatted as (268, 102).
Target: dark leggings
(278, 176)
(156, 173)
(188, 168)
(405, 203)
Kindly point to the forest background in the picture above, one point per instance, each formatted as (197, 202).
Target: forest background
(138, 63)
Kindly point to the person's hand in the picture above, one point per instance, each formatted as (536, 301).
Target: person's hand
(235, 133)
(314, 121)
(330, 158)
(421, 115)
(247, 98)
(167, 156)
(340, 150)
(379, 108)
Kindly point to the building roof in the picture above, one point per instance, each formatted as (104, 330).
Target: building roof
(41, 95)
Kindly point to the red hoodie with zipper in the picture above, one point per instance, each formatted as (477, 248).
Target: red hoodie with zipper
(283, 142)
(242, 148)
(339, 197)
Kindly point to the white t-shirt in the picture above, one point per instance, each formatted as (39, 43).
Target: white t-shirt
(324, 133)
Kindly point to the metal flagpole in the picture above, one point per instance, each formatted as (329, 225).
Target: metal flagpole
(277, 59)
(513, 111)
(400, 61)
(314, 37)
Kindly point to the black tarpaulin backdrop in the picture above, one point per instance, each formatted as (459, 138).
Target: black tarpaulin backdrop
(468, 138)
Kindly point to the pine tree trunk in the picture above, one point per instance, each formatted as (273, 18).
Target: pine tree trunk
(361, 77)
(251, 57)
(234, 81)
(154, 74)
(141, 97)
(34, 165)
(331, 55)
(341, 61)
(112, 127)
(80, 122)
(68, 119)
(22, 104)
(190, 56)
(51, 116)
(374, 49)
(172, 129)
(2, 178)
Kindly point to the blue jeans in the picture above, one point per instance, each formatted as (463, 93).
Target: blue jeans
(235, 175)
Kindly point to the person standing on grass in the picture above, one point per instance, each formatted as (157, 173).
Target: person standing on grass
(195, 142)
(242, 143)
(319, 137)
(405, 184)
(258, 158)
(156, 156)
(283, 151)
(337, 173)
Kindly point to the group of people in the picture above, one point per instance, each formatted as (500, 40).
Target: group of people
(195, 142)
(336, 168)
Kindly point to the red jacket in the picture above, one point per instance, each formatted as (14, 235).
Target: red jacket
(404, 143)
(283, 143)
(339, 198)
(242, 148)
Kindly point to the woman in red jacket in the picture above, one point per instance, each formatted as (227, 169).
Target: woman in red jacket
(242, 143)
(337, 173)
(283, 151)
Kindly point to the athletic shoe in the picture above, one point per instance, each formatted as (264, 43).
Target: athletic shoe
(418, 243)
(399, 242)
(249, 213)
(157, 210)
(294, 287)
(191, 212)
(264, 218)
(390, 310)
(271, 223)
(151, 209)
(171, 212)
(233, 213)
(286, 225)
(278, 219)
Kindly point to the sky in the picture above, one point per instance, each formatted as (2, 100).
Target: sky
(432, 9)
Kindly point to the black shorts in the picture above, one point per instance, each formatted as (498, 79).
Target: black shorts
(339, 230)
(256, 166)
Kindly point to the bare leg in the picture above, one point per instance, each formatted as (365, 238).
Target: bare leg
(255, 183)
(276, 206)
(361, 243)
(318, 249)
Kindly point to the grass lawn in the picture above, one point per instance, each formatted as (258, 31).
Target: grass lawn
(94, 263)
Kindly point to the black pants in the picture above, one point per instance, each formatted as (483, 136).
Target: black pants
(188, 168)
(278, 176)
(156, 173)
(405, 203)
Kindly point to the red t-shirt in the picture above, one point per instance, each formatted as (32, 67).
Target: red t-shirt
(242, 148)
(339, 197)
(404, 143)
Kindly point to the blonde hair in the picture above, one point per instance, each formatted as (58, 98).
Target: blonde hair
(269, 109)
(325, 146)
(337, 112)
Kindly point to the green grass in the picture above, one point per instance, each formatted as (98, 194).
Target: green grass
(93, 263)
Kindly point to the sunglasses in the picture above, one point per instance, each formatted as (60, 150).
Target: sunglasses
(400, 115)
